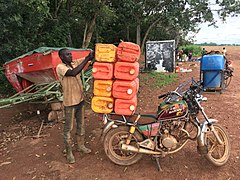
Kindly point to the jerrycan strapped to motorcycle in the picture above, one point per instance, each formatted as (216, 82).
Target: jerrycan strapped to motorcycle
(125, 107)
(126, 71)
(125, 89)
(102, 70)
(128, 52)
(105, 52)
(102, 104)
(103, 88)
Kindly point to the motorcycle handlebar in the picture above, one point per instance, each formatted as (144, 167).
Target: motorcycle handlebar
(163, 95)
(169, 93)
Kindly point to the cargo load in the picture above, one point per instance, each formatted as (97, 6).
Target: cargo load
(128, 52)
(125, 107)
(125, 89)
(102, 104)
(105, 52)
(103, 70)
(103, 88)
(126, 71)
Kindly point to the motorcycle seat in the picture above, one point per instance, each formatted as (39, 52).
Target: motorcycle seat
(144, 119)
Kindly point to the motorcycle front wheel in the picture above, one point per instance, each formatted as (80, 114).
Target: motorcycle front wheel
(112, 146)
(217, 154)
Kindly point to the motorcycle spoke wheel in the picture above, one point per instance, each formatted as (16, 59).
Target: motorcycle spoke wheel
(112, 146)
(227, 81)
(218, 154)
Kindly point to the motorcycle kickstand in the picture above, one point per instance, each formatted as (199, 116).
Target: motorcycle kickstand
(158, 164)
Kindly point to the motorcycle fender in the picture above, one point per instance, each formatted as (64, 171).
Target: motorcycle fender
(204, 129)
(108, 126)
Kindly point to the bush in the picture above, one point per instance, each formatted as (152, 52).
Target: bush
(5, 87)
(196, 50)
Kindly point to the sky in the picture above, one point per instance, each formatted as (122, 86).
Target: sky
(226, 33)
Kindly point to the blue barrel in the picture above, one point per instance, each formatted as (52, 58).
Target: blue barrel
(212, 67)
(212, 79)
(212, 63)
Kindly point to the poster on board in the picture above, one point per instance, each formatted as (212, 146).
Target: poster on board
(160, 56)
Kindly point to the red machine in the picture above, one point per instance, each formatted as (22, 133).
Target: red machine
(37, 67)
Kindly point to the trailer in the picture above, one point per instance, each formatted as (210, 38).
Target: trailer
(33, 76)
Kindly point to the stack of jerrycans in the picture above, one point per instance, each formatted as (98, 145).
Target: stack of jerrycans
(116, 83)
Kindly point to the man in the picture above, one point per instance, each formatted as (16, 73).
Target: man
(224, 51)
(68, 74)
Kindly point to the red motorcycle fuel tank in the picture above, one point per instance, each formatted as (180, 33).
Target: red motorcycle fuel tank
(171, 110)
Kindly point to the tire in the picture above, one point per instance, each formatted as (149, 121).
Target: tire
(227, 80)
(217, 154)
(112, 146)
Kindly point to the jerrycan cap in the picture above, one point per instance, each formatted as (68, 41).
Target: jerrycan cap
(132, 71)
(110, 105)
(132, 107)
(94, 70)
(108, 89)
(129, 91)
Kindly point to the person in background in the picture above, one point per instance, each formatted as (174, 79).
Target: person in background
(224, 51)
(73, 99)
(204, 51)
(189, 56)
(180, 53)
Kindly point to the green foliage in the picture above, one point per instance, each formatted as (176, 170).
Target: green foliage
(29, 24)
(158, 79)
(196, 50)
(5, 87)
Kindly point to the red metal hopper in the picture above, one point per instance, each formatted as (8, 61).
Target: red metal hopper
(37, 66)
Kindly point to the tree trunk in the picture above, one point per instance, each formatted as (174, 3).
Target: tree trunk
(147, 32)
(89, 29)
(70, 43)
(69, 7)
(89, 32)
(138, 38)
(85, 33)
(57, 6)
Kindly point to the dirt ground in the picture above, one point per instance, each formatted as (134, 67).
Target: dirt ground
(23, 156)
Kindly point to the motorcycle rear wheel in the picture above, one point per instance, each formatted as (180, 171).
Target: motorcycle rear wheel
(112, 146)
(217, 154)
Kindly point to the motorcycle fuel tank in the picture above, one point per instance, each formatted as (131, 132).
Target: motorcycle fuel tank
(171, 110)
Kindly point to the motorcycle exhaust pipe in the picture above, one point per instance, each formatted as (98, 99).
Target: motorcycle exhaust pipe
(138, 150)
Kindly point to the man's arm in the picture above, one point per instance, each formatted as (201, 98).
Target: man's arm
(78, 69)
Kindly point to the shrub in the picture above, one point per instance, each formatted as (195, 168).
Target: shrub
(5, 87)
(196, 50)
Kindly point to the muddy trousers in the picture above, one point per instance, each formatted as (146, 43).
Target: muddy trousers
(71, 113)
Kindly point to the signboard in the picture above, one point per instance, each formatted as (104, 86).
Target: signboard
(160, 56)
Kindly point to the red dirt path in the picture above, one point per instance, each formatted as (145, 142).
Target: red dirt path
(23, 157)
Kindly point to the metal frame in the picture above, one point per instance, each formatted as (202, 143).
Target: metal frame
(47, 92)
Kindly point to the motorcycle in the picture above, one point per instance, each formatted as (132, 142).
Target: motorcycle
(127, 138)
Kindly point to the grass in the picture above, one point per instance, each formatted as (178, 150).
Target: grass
(157, 79)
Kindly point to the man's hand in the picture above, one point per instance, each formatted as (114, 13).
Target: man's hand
(90, 56)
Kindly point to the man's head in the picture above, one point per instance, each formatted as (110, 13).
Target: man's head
(65, 55)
